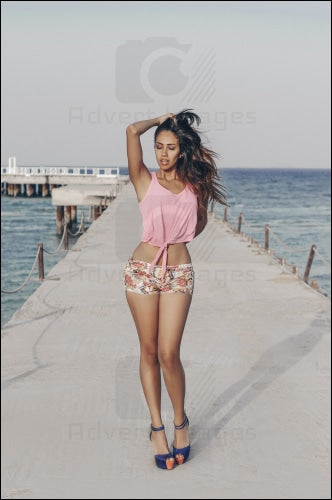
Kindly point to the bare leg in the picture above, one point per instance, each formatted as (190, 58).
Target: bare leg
(145, 312)
(173, 311)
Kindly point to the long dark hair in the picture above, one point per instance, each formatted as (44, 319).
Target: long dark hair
(196, 164)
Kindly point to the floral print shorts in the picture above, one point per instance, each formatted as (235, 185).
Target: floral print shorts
(139, 279)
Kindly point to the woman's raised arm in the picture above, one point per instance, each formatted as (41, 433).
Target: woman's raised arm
(138, 173)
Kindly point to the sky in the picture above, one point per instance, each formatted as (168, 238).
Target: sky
(76, 74)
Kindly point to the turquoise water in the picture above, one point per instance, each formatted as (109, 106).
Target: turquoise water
(295, 203)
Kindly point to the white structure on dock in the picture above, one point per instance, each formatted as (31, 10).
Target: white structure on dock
(17, 180)
(68, 186)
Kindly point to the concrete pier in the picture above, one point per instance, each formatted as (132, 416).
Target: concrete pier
(256, 351)
(84, 195)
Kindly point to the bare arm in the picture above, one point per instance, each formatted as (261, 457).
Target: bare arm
(138, 172)
(201, 217)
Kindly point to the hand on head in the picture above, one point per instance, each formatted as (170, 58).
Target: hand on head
(165, 117)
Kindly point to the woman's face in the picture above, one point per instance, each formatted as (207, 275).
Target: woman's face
(167, 150)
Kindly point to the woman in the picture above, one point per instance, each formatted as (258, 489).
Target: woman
(159, 277)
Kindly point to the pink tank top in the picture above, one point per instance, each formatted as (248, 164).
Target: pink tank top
(168, 218)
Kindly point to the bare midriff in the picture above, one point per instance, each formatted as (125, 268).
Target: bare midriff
(177, 254)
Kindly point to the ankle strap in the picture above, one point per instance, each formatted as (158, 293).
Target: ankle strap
(157, 428)
(184, 423)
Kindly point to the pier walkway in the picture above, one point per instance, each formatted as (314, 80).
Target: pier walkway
(256, 351)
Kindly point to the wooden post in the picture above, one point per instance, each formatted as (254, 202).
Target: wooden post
(267, 229)
(314, 284)
(309, 262)
(40, 261)
(59, 219)
(225, 214)
(212, 207)
(73, 213)
(16, 189)
(68, 215)
(65, 238)
(30, 190)
(239, 223)
(82, 221)
(44, 190)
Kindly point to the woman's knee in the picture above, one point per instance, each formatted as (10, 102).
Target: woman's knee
(168, 359)
(149, 354)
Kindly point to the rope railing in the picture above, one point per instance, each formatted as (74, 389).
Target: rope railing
(293, 249)
(28, 278)
(228, 214)
(60, 244)
(252, 230)
(241, 219)
(267, 230)
(40, 256)
(321, 258)
(80, 229)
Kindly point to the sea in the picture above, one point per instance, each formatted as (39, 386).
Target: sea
(295, 203)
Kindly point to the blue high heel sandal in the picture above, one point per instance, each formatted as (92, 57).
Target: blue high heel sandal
(181, 454)
(165, 461)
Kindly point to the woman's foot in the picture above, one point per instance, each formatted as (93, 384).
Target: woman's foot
(163, 456)
(181, 446)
